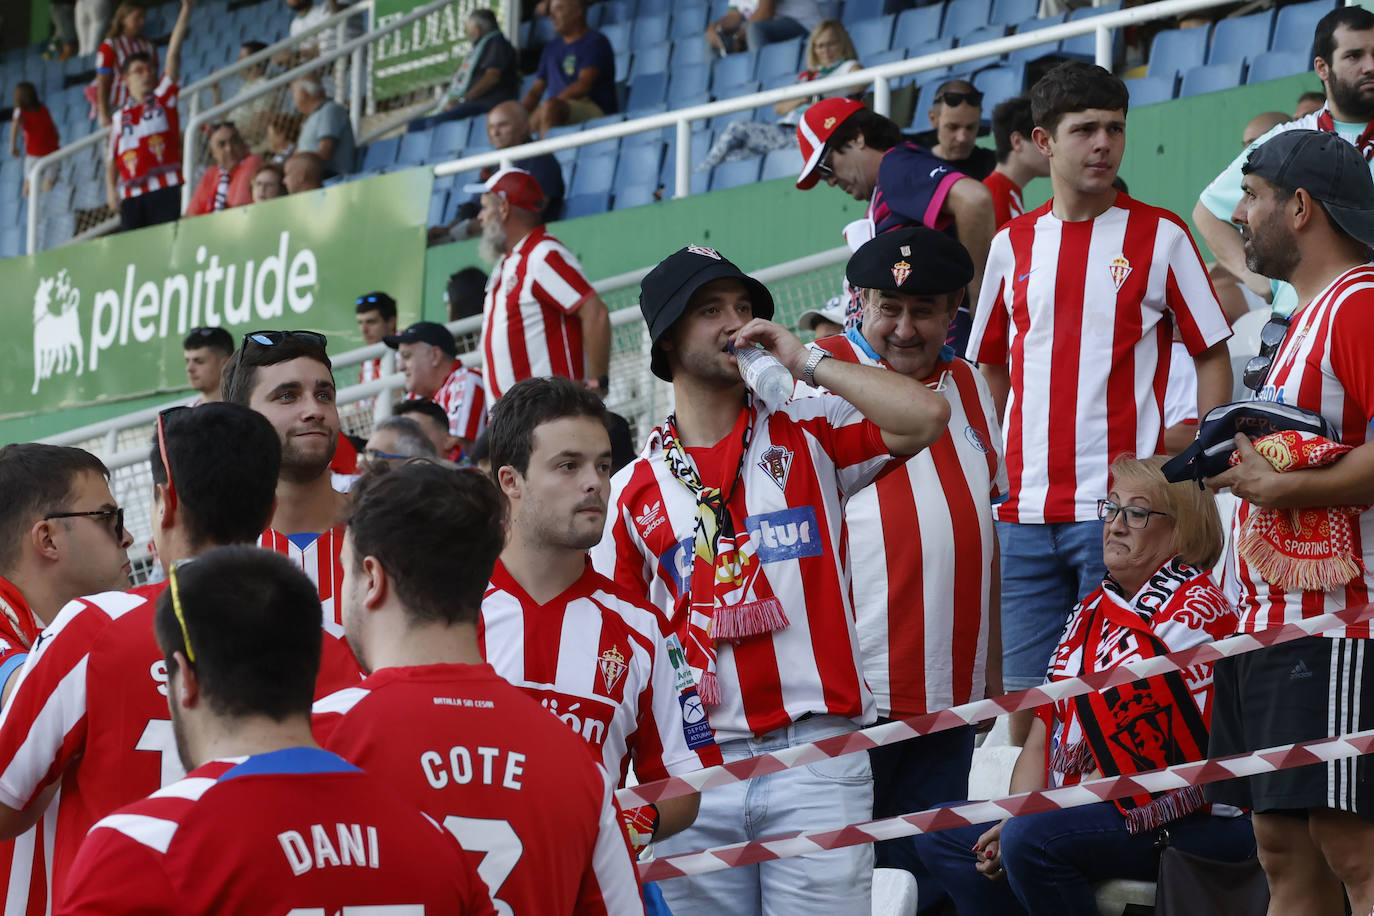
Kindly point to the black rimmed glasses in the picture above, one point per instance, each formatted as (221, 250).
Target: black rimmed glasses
(1136, 516)
(1271, 337)
(116, 515)
(954, 99)
(272, 339)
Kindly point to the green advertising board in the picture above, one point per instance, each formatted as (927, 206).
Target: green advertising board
(424, 53)
(108, 317)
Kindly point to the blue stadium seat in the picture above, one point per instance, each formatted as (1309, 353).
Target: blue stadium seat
(654, 8)
(449, 138)
(1035, 52)
(729, 72)
(650, 59)
(609, 147)
(605, 13)
(781, 58)
(594, 175)
(701, 145)
(639, 165)
(647, 90)
(735, 174)
(856, 11)
(872, 35)
(963, 16)
(623, 61)
(687, 82)
(931, 47)
(689, 22)
(979, 36)
(1211, 78)
(885, 57)
(1240, 39)
(618, 34)
(438, 206)
(380, 153)
(1084, 47)
(1295, 24)
(719, 122)
(1150, 90)
(1274, 64)
(586, 204)
(999, 84)
(648, 29)
(1174, 51)
(413, 149)
(11, 242)
(782, 163)
(691, 52)
(1013, 12)
(636, 195)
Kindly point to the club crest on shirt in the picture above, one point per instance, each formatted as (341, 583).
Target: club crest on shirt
(900, 271)
(1120, 269)
(158, 146)
(776, 462)
(704, 252)
(612, 664)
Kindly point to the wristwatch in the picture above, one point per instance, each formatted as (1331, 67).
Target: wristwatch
(812, 361)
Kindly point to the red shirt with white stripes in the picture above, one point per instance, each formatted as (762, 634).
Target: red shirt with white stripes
(1083, 315)
(23, 860)
(89, 709)
(109, 60)
(529, 325)
(1324, 364)
(802, 465)
(370, 370)
(1006, 198)
(320, 560)
(922, 547)
(512, 784)
(145, 141)
(463, 398)
(596, 657)
(295, 831)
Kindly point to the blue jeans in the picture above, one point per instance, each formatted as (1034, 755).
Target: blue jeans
(1046, 570)
(767, 31)
(1053, 859)
(914, 775)
(828, 793)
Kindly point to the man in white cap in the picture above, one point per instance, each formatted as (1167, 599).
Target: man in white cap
(541, 316)
(824, 322)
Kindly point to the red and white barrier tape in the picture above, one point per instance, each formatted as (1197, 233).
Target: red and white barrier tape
(1332, 625)
(981, 812)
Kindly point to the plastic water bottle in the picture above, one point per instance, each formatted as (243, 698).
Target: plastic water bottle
(765, 375)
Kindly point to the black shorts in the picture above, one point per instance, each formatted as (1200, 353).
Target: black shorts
(1297, 691)
(150, 209)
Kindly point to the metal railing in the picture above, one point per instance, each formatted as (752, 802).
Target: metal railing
(1102, 26)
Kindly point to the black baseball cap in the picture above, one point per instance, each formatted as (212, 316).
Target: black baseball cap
(666, 290)
(1326, 167)
(912, 259)
(430, 332)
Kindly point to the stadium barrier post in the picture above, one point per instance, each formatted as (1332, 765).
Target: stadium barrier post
(682, 162)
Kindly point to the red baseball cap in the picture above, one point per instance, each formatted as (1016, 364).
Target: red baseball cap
(516, 186)
(814, 130)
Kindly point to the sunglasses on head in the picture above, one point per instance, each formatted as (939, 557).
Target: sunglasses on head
(271, 339)
(1271, 337)
(162, 416)
(953, 99)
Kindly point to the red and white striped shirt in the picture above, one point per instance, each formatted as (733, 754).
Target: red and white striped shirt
(529, 329)
(596, 657)
(320, 561)
(1324, 364)
(802, 465)
(464, 400)
(921, 550)
(23, 860)
(89, 708)
(370, 370)
(1006, 198)
(109, 59)
(1083, 314)
(492, 765)
(145, 141)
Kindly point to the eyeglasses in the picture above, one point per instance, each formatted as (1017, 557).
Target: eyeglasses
(162, 451)
(953, 99)
(1136, 516)
(1271, 337)
(116, 514)
(824, 167)
(180, 615)
(271, 339)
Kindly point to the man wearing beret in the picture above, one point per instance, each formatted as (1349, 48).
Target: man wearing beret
(921, 539)
(731, 523)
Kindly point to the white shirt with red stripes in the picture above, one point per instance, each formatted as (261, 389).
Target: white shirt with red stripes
(1324, 364)
(370, 370)
(802, 465)
(463, 397)
(595, 656)
(145, 141)
(921, 548)
(529, 325)
(1083, 315)
(109, 59)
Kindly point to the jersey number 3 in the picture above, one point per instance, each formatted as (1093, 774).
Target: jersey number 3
(500, 847)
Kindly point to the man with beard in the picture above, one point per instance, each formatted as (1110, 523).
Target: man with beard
(1343, 49)
(541, 316)
(286, 376)
(265, 821)
(89, 709)
(1307, 218)
(428, 356)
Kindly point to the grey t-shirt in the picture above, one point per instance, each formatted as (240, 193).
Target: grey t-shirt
(330, 120)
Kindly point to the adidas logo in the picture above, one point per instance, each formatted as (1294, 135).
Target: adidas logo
(1299, 671)
(650, 517)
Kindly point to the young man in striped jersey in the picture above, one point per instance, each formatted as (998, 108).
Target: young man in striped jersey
(89, 707)
(731, 523)
(1080, 302)
(286, 376)
(511, 782)
(1307, 218)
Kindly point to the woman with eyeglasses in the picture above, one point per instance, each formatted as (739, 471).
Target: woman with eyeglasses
(1158, 542)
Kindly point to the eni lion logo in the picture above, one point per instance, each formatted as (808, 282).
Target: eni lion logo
(56, 336)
